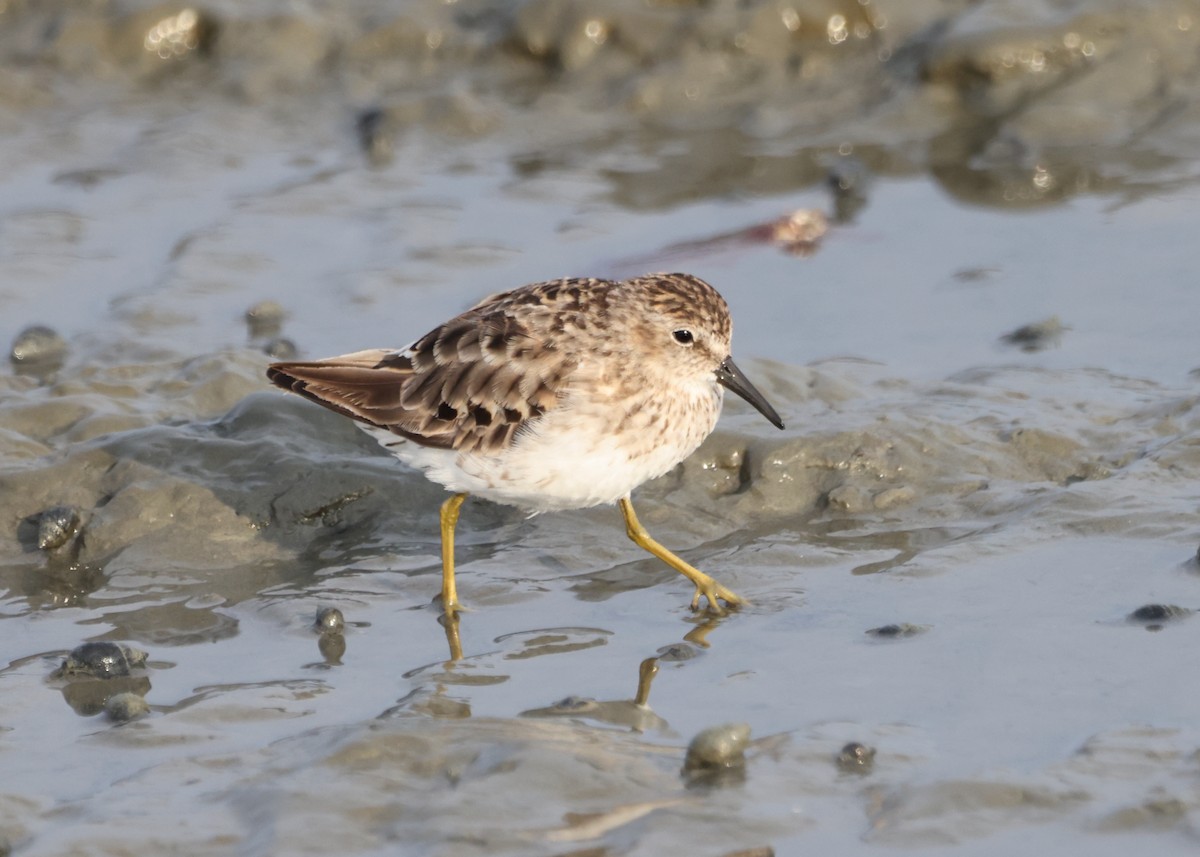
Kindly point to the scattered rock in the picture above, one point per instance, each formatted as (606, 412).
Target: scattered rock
(329, 620)
(101, 660)
(38, 351)
(1158, 613)
(717, 755)
(124, 707)
(376, 130)
(899, 629)
(57, 526)
(856, 758)
(1037, 336)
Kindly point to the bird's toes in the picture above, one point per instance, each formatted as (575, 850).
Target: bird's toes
(714, 593)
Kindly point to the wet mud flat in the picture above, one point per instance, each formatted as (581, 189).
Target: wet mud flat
(957, 598)
(970, 561)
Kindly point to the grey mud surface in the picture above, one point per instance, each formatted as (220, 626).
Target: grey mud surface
(987, 367)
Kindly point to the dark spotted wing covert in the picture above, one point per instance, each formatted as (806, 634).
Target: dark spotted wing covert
(468, 385)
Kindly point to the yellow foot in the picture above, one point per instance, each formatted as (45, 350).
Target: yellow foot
(706, 587)
(714, 593)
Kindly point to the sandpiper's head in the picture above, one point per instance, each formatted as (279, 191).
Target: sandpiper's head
(686, 326)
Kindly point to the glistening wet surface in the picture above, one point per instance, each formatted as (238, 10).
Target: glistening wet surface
(971, 556)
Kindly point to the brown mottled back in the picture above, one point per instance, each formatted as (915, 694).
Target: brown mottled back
(472, 383)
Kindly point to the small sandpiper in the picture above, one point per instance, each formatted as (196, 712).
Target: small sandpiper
(558, 395)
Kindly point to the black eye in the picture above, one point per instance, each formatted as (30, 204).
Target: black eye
(683, 337)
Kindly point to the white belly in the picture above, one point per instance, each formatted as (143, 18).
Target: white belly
(576, 456)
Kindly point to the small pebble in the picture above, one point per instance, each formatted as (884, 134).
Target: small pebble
(1159, 613)
(102, 660)
(330, 623)
(899, 629)
(856, 758)
(677, 652)
(57, 526)
(281, 348)
(38, 349)
(977, 274)
(85, 178)
(330, 620)
(376, 136)
(123, 707)
(1036, 336)
(721, 746)
(265, 318)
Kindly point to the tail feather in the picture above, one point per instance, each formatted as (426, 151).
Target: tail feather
(364, 386)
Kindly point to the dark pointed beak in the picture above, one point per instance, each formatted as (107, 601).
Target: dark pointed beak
(731, 378)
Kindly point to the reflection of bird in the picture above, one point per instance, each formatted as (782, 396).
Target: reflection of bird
(634, 713)
(559, 395)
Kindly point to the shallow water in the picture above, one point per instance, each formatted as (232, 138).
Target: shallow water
(1012, 506)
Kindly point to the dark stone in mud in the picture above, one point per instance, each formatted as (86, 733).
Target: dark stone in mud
(856, 758)
(1036, 336)
(57, 526)
(1159, 613)
(330, 623)
(896, 630)
(717, 755)
(329, 620)
(678, 652)
(101, 660)
(38, 350)
(376, 131)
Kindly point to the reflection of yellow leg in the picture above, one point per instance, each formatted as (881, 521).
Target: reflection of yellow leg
(699, 634)
(449, 519)
(647, 670)
(449, 622)
(706, 587)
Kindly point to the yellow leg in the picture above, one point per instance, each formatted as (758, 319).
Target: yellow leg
(449, 519)
(706, 587)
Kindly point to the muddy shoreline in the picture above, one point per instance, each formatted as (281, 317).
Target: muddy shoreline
(970, 561)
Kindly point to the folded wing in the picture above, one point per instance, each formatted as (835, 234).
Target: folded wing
(470, 384)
